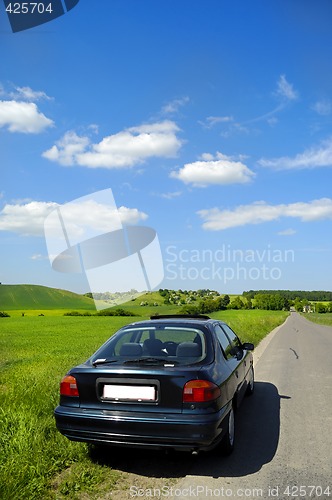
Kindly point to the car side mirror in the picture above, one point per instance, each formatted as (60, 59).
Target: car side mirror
(248, 346)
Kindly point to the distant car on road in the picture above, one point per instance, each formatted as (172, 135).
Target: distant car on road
(168, 382)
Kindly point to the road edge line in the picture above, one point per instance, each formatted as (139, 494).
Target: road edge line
(259, 350)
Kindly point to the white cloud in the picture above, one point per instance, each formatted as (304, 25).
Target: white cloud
(174, 106)
(272, 121)
(94, 128)
(211, 121)
(66, 149)
(218, 169)
(124, 149)
(24, 94)
(287, 232)
(27, 94)
(86, 218)
(284, 93)
(25, 219)
(171, 195)
(28, 219)
(23, 117)
(285, 89)
(38, 256)
(319, 156)
(129, 216)
(323, 107)
(259, 212)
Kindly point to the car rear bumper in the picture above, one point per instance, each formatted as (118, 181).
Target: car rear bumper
(178, 431)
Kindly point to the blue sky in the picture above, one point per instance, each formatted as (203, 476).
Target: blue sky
(210, 121)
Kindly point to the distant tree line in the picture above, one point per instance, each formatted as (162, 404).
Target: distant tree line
(293, 294)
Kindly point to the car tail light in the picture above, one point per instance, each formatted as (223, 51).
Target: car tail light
(68, 386)
(199, 391)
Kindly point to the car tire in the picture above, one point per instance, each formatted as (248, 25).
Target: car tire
(251, 384)
(227, 444)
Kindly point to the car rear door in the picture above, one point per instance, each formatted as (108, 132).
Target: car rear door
(234, 364)
(244, 365)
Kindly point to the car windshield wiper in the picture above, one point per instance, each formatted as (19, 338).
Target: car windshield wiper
(103, 361)
(150, 360)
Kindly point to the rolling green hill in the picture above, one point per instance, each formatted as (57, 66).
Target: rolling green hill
(27, 297)
(23, 298)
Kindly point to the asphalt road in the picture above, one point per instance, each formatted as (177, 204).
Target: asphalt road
(284, 431)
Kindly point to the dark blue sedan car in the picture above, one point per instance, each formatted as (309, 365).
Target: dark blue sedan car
(168, 382)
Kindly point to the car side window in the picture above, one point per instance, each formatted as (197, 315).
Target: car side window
(223, 341)
(232, 336)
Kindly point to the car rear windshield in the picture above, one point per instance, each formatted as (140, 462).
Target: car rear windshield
(166, 344)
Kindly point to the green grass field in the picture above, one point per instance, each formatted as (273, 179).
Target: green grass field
(322, 319)
(36, 462)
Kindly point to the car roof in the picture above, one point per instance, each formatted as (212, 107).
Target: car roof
(197, 319)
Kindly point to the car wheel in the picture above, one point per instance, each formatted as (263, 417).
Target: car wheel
(251, 384)
(228, 440)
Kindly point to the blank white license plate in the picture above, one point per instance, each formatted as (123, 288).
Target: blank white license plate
(130, 392)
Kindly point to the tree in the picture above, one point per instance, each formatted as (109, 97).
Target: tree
(226, 300)
(236, 304)
(321, 308)
(189, 309)
(248, 303)
(207, 306)
(220, 303)
(298, 304)
(273, 302)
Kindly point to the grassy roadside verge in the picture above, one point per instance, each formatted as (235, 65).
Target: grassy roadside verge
(321, 319)
(36, 462)
(35, 353)
(252, 325)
